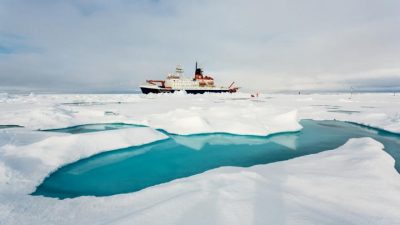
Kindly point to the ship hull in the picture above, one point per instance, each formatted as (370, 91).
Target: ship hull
(207, 91)
(148, 90)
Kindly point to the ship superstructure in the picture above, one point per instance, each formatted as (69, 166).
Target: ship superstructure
(177, 82)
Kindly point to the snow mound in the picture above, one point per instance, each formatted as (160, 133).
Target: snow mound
(252, 120)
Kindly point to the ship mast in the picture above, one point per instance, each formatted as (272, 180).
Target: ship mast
(179, 70)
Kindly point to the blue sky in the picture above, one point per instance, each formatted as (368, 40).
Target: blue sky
(87, 45)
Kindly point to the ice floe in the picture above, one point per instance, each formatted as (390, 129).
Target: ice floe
(188, 114)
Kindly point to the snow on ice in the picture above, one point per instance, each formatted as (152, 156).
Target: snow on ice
(354, 184)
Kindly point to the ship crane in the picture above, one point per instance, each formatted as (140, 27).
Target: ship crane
(154, 82)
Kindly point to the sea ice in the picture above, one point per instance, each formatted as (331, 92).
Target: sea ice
(188, 114)
(355, 184)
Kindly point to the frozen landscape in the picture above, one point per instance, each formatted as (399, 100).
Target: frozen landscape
(356, 183)
(201, 112)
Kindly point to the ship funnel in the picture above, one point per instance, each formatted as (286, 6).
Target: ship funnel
(198, 70)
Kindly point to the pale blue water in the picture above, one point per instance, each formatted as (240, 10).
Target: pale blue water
(9, 126)
(93, 128)
(132, 169)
